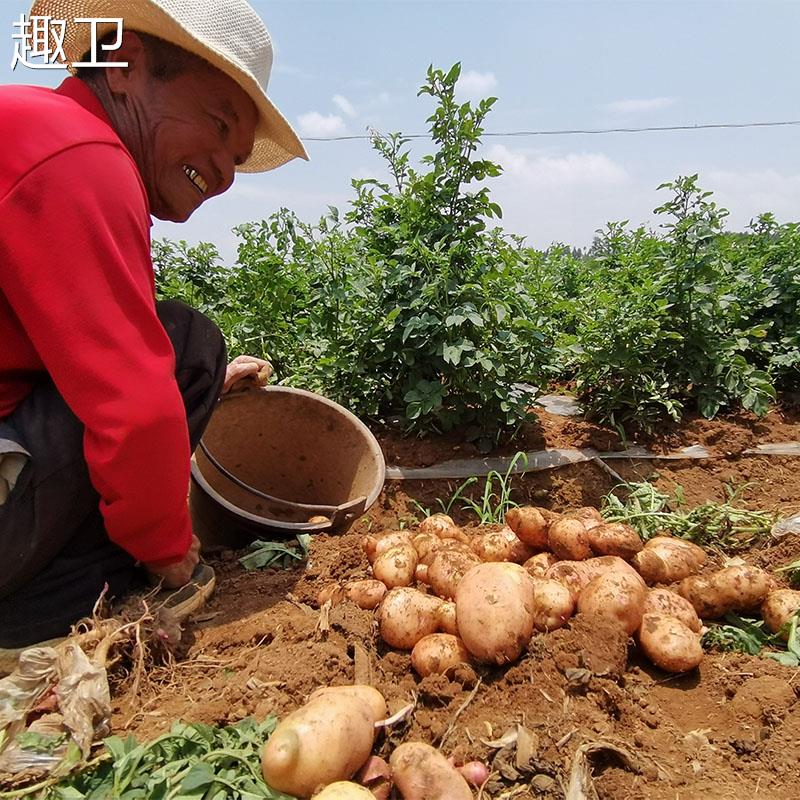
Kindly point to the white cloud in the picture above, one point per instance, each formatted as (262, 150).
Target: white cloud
(315, 124)
(476, 85)
(750, 193)
(344, 105)
(638, 106)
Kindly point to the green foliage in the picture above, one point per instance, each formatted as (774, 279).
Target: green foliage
(281, 555)
(748, 636)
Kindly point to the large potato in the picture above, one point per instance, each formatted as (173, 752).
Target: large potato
(552, 605)
(422, 773)
(614, 596)
(447, 569)
(666, 559)
(538, 565)
(438, 653)
(396, 566)
(325, 740)
(589, 516)
(494, 611)
(779, 607)
(669, 604)
(376, 543)
(569, 539)
(669, 644)
(740, 588)
(614, 539)
(406, 615)
(345, 790)
(529, 524)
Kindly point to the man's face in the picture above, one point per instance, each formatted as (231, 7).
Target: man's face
(194, 130)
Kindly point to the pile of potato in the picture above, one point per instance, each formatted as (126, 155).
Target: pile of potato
(453, 595)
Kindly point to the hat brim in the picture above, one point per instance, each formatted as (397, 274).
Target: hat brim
(275, 141)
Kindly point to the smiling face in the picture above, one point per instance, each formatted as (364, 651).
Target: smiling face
(187, 133)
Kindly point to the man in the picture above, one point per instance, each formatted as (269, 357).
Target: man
(103, 392)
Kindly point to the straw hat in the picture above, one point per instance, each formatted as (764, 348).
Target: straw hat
(228, 34)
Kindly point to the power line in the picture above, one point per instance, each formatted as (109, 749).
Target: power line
(581, 131)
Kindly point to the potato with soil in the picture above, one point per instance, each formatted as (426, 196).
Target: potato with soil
(396, 566)
(589, 516)
(577, 575)
(669, 604)
(494, 611)
(344, 790)
(437, 653)
(530, 524)
(569, 539)
(669, 644)
(406, 615)
(553, 605)
(739, 588)
(422, 773)
(442, 525)
(666, 559)
(446, 614)
(615, 539)
(778, 609)
(616, 597)
(426, 545)
(376, 543)
(324, 741)
(538, 565)
(447, 569)
(366, 594)
(502, 545)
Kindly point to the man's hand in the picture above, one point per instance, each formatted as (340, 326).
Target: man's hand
(241, 367)
(176, 575)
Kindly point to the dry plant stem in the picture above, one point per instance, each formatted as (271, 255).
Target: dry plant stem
(459, 712)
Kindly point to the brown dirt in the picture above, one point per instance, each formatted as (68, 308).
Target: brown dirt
(729, 730)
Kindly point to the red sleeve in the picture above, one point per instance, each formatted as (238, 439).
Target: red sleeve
(76, 269)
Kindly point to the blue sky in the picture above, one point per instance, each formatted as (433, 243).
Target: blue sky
(341, 66)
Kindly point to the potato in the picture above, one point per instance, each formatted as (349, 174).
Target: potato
(344, 790)
(669, 644)
(375, 544)
(502, 545)
(614, 596)
(494, 611)
(539, 564)
(602, 565)
(396, 566)
(590, 517)
(569, 539)
(438, 653)
(572, 574)
(731, 589)
(446, 614)
(669, 604)
(615, 539)
(552, 605)
(421, 573)
(666, 559)
(447, 569)
(422, 773)
(325, 740)
(529, 524)
(442, 526)
(366, 594)
(333, 592)
(426, 545)
(779, 607)
(406, 615)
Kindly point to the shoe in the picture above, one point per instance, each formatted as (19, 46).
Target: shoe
(189, 598)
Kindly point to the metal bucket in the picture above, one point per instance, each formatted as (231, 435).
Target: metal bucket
(273, 458)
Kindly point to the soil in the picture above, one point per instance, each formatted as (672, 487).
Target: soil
(728, 730)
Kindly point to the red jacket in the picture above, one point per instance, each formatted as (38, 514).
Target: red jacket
(77, 301)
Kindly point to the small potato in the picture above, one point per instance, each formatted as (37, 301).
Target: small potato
(375, 544)
(396, 566)
(615, 539)
(366, 594)
(446, 614)
(614, 596)
(731, 589)
(438, 653)
(426, 545)
(569, 539)
(333, 592)
(344, 790)
(590, 517)
(447, 569)
(502, 545)
(669, 604)
(538, 565)
(324, 741)
(552, 605)
(529, 524)
(406, 615)
(422, 773)
(779, 607)
(494, 611)
(669, 644)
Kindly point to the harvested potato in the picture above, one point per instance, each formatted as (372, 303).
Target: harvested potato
(447, 617)
(666, 559)
(569, 539)
(538, 565)
(442, 525)
(377, 777)
(366, 594)
(345, 790)
(396, 566)
(602, 565)
(421, 573)
(590, 517)
(552, 605)
(333, 592)
(318, 519)
(406, 615)
(669, 604)
(572, 574)
(779, 607)
(529, 524)
(447, 569)
(422, 773)
(426, 545)
(324, 741)
(502, 545)
(437, 653)
(375, 544)
(738, 588)
(669, 644)
(494, 611)
(614, 596)
(615, 539)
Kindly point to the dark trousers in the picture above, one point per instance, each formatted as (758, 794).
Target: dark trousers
(55, 555)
